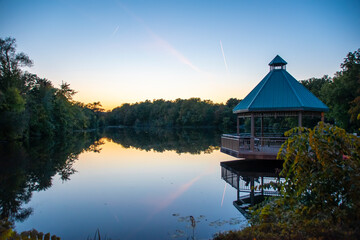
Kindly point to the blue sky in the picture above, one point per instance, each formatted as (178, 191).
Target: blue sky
(128, 51)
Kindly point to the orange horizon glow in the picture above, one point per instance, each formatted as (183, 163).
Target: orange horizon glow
(108, 105)
(129, 52)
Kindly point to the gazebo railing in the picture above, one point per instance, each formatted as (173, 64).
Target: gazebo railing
(248, 144)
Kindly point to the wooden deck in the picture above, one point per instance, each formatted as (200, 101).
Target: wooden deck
(251, 148)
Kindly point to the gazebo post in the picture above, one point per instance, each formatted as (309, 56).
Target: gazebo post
(262, 129)
(322, 117)
(237, 124)
(252, 132)
(300, 119)
(238, 190)
(252, 190)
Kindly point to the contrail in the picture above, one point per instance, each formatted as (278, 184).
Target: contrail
(222, 50)
(116, 29)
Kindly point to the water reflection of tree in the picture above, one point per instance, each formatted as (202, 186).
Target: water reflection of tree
(181, 140)
(31, 166)
(28, 167)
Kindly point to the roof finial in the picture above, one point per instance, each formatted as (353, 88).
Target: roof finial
(277, 63)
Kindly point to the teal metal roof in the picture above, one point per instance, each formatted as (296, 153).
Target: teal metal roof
(277, 61)
(279, 91)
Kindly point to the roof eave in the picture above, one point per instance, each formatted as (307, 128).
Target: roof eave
(287, 109)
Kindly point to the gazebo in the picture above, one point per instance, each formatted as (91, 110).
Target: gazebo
(277, 95)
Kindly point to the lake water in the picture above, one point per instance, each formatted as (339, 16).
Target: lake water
(128, 183)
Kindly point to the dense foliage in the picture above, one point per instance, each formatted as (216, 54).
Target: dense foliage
(320, 192)
(341, 93)
(181, 112)
(30, 105)
(11, 234)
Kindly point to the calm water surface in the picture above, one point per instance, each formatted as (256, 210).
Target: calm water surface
(129, 184)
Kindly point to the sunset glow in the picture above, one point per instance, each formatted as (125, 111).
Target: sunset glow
(129, 51)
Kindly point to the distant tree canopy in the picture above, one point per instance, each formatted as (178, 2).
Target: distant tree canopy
(341, 93)
(181, 112)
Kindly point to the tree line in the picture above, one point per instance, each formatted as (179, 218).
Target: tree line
(178, 113)
(33, 106)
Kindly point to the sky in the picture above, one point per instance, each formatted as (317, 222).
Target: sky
(120, 52)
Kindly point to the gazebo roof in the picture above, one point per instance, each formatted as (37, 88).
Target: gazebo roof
(277, 61)
(279, 91)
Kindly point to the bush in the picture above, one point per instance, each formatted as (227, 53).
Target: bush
(320, 192)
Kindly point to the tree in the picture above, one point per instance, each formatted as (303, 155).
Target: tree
(66, 92)
(342, 94)
(13, 84)
(315, 85)
(10, 65)
(232, 102)
(32, 106)
(97, 117)
(322, 179)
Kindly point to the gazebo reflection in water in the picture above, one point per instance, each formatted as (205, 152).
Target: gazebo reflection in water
(247, 177)
(278, 103)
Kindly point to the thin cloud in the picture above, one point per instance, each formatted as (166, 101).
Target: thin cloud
(222, 51)
(162, 42)
(171, 50)
(116, 30)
